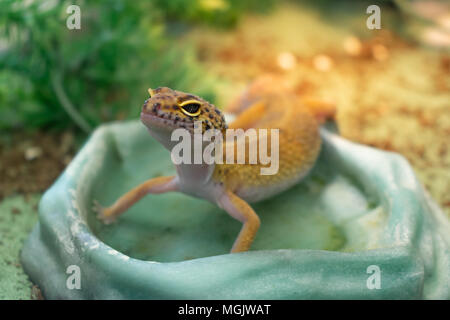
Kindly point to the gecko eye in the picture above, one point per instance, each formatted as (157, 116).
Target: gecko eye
(190, 108)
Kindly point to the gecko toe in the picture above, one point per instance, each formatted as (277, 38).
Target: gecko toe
(101, 213)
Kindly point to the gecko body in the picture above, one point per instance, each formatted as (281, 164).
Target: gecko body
(232, 186)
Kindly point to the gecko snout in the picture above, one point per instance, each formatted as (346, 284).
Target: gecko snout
(151, 106)
(145, 105)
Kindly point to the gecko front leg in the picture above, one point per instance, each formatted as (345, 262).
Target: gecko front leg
(154, 186)
(241, 210)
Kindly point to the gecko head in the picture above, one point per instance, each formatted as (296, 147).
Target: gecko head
(167, 110)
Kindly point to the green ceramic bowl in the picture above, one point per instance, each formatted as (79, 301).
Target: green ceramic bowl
(359, 227)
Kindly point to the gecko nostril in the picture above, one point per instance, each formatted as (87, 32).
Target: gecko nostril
(145, 106)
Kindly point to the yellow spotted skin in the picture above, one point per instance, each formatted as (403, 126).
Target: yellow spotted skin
(299, 146)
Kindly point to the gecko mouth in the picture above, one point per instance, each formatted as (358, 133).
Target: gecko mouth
(165, 121)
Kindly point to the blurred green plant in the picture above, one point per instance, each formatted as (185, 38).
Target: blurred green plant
(51, 76)
(220, 13)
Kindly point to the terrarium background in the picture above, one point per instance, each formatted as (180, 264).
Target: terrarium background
(391, 92)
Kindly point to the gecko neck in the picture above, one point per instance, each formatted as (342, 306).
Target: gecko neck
(193, 179)
(195, 174)
(196, 180)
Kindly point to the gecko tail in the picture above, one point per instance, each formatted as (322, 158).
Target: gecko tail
(322, 109)
(269, 84)
(261, 87)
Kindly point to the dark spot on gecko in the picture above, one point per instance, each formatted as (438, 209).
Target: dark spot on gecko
(156, 106)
